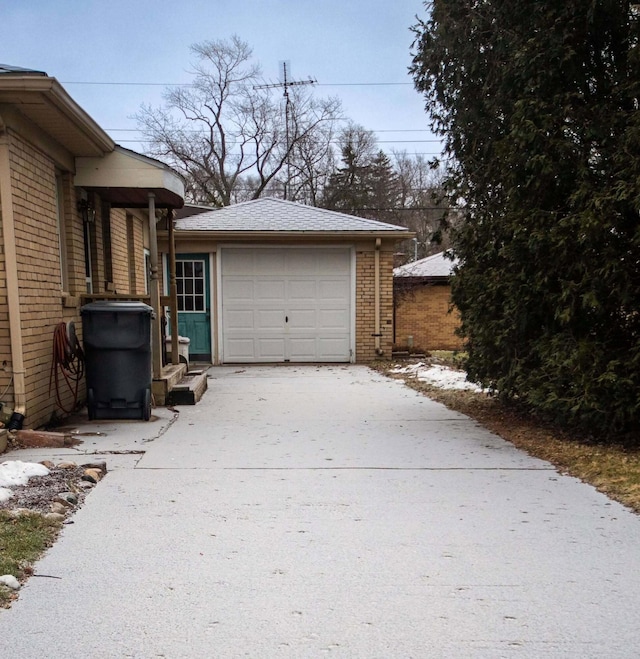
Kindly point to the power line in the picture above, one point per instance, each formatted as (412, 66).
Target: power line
(190, 84)
(381, 130)
(151, 141)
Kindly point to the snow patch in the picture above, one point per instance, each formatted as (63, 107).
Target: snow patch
(16, 472)
(439, 376)
(10, 581)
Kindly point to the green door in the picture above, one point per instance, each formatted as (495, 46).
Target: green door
(194, 314)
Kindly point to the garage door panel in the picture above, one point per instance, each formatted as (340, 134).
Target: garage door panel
(271, 349)
(289, 304)
(240, 290)
(303, 349)
(302, 262)
(302, 289)
(333, 289)
(269, 261)
(332, 319)
(270, 290)
(239, 320)
(333, 261)
(302, 319)
(242, 263)
(243, 350)
(332, 349)
(269, 319)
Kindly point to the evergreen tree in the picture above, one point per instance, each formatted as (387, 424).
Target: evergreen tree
(365, 183)
(538, 103)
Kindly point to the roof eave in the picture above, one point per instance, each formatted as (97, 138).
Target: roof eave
(60, 100)
(327, 235)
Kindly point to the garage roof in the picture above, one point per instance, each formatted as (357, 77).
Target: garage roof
(269, 215)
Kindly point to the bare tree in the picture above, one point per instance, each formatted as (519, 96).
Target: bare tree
(424, 205)
(226, 133)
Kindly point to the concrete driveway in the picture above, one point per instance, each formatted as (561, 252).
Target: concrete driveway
(314, 511)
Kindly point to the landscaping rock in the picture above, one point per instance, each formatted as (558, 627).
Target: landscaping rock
(48, 464)
(95, 474)
(60, 508)
(102, 466)
(85, 484)
(68, 498)
(67, 465)
(55, 517)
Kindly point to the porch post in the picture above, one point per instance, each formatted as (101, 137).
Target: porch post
(154, 291)
(173, 292)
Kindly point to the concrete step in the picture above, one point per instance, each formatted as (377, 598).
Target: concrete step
(405, 354)
(189, 390)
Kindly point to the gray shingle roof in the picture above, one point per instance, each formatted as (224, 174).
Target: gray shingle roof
(8, 69)
(435, 265)
(269, 214)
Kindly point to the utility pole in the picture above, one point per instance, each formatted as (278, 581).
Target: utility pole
(285, 84)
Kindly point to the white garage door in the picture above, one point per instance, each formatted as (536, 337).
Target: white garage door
(286, 304)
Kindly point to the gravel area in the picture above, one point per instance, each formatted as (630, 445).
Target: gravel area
(40, 491)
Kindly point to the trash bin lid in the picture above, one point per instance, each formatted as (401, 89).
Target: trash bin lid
(182, 340)
(116, 306)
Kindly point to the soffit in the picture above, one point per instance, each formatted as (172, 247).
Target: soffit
(45, 103)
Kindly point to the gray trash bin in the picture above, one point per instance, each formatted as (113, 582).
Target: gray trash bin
(117, 346)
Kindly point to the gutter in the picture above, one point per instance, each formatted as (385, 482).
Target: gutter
(11, 273)
(376, 285)
(275, 236)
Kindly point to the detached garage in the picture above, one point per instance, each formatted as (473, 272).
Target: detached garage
(284, 282)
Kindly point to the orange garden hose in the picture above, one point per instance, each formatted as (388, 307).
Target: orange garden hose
(68, 362)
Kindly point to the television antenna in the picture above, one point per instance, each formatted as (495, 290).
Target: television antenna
(285, 84)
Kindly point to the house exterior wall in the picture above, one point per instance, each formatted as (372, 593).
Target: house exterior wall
(120, 251)
(365, 304)
(44, 301)
(41, 300)
(135, 245)
(423, 312)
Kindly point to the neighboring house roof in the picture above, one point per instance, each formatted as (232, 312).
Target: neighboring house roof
(8, 69)
(269, 215)
(193, 209)
(436, 265)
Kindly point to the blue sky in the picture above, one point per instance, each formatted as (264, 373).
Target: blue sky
(337, 42)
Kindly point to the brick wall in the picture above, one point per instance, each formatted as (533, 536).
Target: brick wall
(137, 254)
(5, 348)
(422, 312)
(33, 178)
(135, 260)
(120, 251)
(365, 304)
(43, 300)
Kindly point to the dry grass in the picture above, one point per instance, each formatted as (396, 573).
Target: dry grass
(23, 539)
(612, 469)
